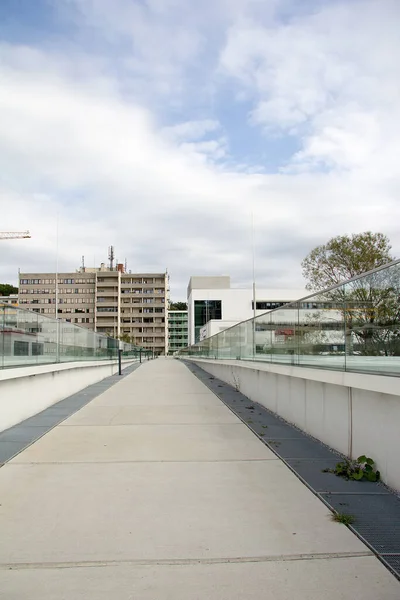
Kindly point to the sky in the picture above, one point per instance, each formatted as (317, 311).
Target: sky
(167, 127)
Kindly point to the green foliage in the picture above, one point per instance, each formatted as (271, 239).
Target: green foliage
(6, 289)
(178, 306)
(343, 518)
(125, 337)
(362, 468)
(344, 257)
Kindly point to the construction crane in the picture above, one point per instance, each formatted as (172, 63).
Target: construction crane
(12, 235)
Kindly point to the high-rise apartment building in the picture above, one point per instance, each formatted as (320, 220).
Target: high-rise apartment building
(106, 299)
(177, 330)
(74, 301)
(133, 306)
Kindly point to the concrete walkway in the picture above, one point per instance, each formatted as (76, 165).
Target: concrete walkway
(154, 491)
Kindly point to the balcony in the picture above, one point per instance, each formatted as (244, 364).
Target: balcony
(107, 292)
(109, 302)
(110, 310)
(108, 314)
(107, 323)
(108, 283)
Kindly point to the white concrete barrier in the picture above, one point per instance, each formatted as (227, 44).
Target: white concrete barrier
(351, 412)
(26, 391)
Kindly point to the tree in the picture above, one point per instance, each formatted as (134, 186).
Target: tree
(345, 257)
(178, 306)
(125, 337)
(6, 289)
(369, 305)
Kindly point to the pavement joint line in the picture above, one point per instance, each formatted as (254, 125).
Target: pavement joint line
(305, 459)
(127, 462)
(148, 424)
(140, 405)
(187, 561)
(329, 493)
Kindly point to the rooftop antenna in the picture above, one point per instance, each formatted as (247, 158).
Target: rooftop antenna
(83, 264)
(111, 257)
(126, 266)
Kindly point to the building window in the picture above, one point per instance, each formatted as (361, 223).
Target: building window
(266, 305)
(21, 349)
(204, 311)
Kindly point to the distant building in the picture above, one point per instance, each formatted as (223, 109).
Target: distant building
(133, 305)
(104, 299)
(214, 306)
(12, 299)
(177, 330)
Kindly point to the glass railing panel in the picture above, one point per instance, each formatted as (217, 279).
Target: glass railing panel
(372, 318)
(5, 338)
(45, 345)
(263, 337)
(282, 339)
(22, 327)
(245, 336)
(354, 326)
(29, 338)
(321, 331)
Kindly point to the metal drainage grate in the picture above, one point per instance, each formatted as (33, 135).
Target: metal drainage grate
(392, 561)
(376, 518)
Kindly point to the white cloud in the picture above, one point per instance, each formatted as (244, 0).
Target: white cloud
(83, 141)
(191, 130)
(330, 77)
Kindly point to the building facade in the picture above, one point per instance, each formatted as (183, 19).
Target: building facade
(177, 330)
(74, 301)
(133, 306)
(211, 300)
(11, 300)
(107, 300)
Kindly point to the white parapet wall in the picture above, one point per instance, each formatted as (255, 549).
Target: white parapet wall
(353, 413)
(26, 391)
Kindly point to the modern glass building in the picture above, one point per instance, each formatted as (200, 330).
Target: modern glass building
(177, 330)
(214, 306)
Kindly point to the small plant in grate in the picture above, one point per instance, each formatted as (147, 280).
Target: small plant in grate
(236, 382)
(343, 518)
(362, 468)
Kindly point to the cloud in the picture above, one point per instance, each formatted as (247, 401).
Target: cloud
(329, 76)
(124, 135)
(191, 130)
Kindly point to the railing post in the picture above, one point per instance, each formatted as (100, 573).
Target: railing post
(119, 361)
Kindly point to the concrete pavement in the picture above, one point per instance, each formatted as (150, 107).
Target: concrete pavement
(155, 490)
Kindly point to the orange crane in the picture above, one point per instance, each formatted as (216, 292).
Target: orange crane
(12, 235)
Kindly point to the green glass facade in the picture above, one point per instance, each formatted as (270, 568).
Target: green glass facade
(178, 336)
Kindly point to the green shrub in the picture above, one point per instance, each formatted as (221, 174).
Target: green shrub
(362, 468)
